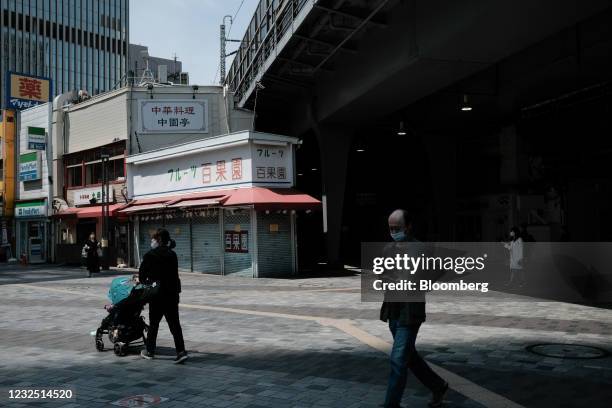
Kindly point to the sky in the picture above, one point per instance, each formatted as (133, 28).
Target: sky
(189, 29)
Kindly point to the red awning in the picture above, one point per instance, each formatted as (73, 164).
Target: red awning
(89, 212)
(267, 198)
(260, 197)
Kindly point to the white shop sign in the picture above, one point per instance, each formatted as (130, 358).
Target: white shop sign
(173, 116)
(244, 165)
(84, 195)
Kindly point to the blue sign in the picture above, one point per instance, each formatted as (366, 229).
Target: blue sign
(24, 91)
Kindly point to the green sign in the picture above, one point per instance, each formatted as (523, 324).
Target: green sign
(29, 166)
(31, 209)
(36, 138)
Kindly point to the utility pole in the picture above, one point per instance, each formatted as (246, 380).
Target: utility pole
(223, 52)
(105, 156)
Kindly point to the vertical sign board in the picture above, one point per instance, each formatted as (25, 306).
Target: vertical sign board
(36, 138)
(29, 166)
(26, 91)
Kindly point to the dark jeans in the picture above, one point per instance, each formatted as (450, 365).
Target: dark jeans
(403, 357)
(169, 310)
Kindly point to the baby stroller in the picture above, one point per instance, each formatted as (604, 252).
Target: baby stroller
(124, 325)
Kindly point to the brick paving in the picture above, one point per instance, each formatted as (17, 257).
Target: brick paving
(261, 359)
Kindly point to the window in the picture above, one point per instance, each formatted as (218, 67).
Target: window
(93, 173)
(75, 176)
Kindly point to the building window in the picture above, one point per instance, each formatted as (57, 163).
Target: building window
(75, 176)
(93, 173)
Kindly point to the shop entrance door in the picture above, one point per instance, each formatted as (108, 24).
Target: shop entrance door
(36, 241)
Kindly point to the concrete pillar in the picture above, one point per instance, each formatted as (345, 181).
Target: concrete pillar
(334, 144)
(442, 151)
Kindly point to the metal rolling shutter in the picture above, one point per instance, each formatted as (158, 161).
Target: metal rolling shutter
(274, 247)
(146, 231)
(238, 263)
(180, 231)
(207, 243)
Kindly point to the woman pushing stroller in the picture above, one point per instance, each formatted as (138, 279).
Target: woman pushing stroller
(160, 265)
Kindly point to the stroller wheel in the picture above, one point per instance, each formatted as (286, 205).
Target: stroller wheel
(120, 349)
(99, 341)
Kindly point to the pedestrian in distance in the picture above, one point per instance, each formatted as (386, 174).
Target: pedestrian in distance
(405, 319)
(515, 248)
(160, 266)
(92, 252)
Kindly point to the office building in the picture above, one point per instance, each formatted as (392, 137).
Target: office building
(78, 44)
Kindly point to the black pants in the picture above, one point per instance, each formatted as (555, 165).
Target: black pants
(169, 310)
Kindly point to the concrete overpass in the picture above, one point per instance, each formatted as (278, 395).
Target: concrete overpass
(330, 67)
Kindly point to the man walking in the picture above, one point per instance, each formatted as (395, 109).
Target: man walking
(404, 319)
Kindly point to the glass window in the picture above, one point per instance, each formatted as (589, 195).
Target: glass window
(93, 173)
(75, 176)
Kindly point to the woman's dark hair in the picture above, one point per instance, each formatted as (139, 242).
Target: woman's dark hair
(162, 236)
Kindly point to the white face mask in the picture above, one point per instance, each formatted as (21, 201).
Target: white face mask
(512, 234)
(154, 244)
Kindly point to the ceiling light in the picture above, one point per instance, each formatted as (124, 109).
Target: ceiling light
(401, 131)
(465, 105)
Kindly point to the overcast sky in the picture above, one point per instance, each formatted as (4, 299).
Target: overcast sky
(189, 28)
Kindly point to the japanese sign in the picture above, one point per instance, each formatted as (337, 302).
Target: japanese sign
(212, 164)
(29, 166)
(36, 138)
(174, 116)
(83, 196)
(237, 241)
(24, 91)
(31, 209)
(270, 163)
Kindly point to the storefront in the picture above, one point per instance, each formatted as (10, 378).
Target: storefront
(75, 224)
(227, 201)
(32, 231)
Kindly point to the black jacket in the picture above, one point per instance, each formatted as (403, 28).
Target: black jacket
(405, 312)
(161, 265)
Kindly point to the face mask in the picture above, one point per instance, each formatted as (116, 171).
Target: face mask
(512, 234)
(398, 236)
(154, 244)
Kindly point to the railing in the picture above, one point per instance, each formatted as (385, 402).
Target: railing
(265, 32)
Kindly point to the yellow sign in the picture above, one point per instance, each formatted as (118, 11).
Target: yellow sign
(27, 91)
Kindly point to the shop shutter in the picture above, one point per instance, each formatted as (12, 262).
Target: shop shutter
(146, 231)
(179, 230)
(207, 243)
(238, 263)
(274, 245)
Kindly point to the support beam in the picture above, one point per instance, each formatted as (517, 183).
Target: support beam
(378, 23)
(334, 144)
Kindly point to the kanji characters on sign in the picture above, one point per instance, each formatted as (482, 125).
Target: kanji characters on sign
(30, 88)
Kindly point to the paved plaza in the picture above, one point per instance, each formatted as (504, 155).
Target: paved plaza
(296, 343)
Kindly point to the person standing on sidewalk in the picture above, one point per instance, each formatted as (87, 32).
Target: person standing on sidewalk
(515, 247)
(92, 249)
(405, 319)
(160, 266)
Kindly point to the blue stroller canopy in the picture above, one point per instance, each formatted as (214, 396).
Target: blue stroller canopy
(120, 288)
